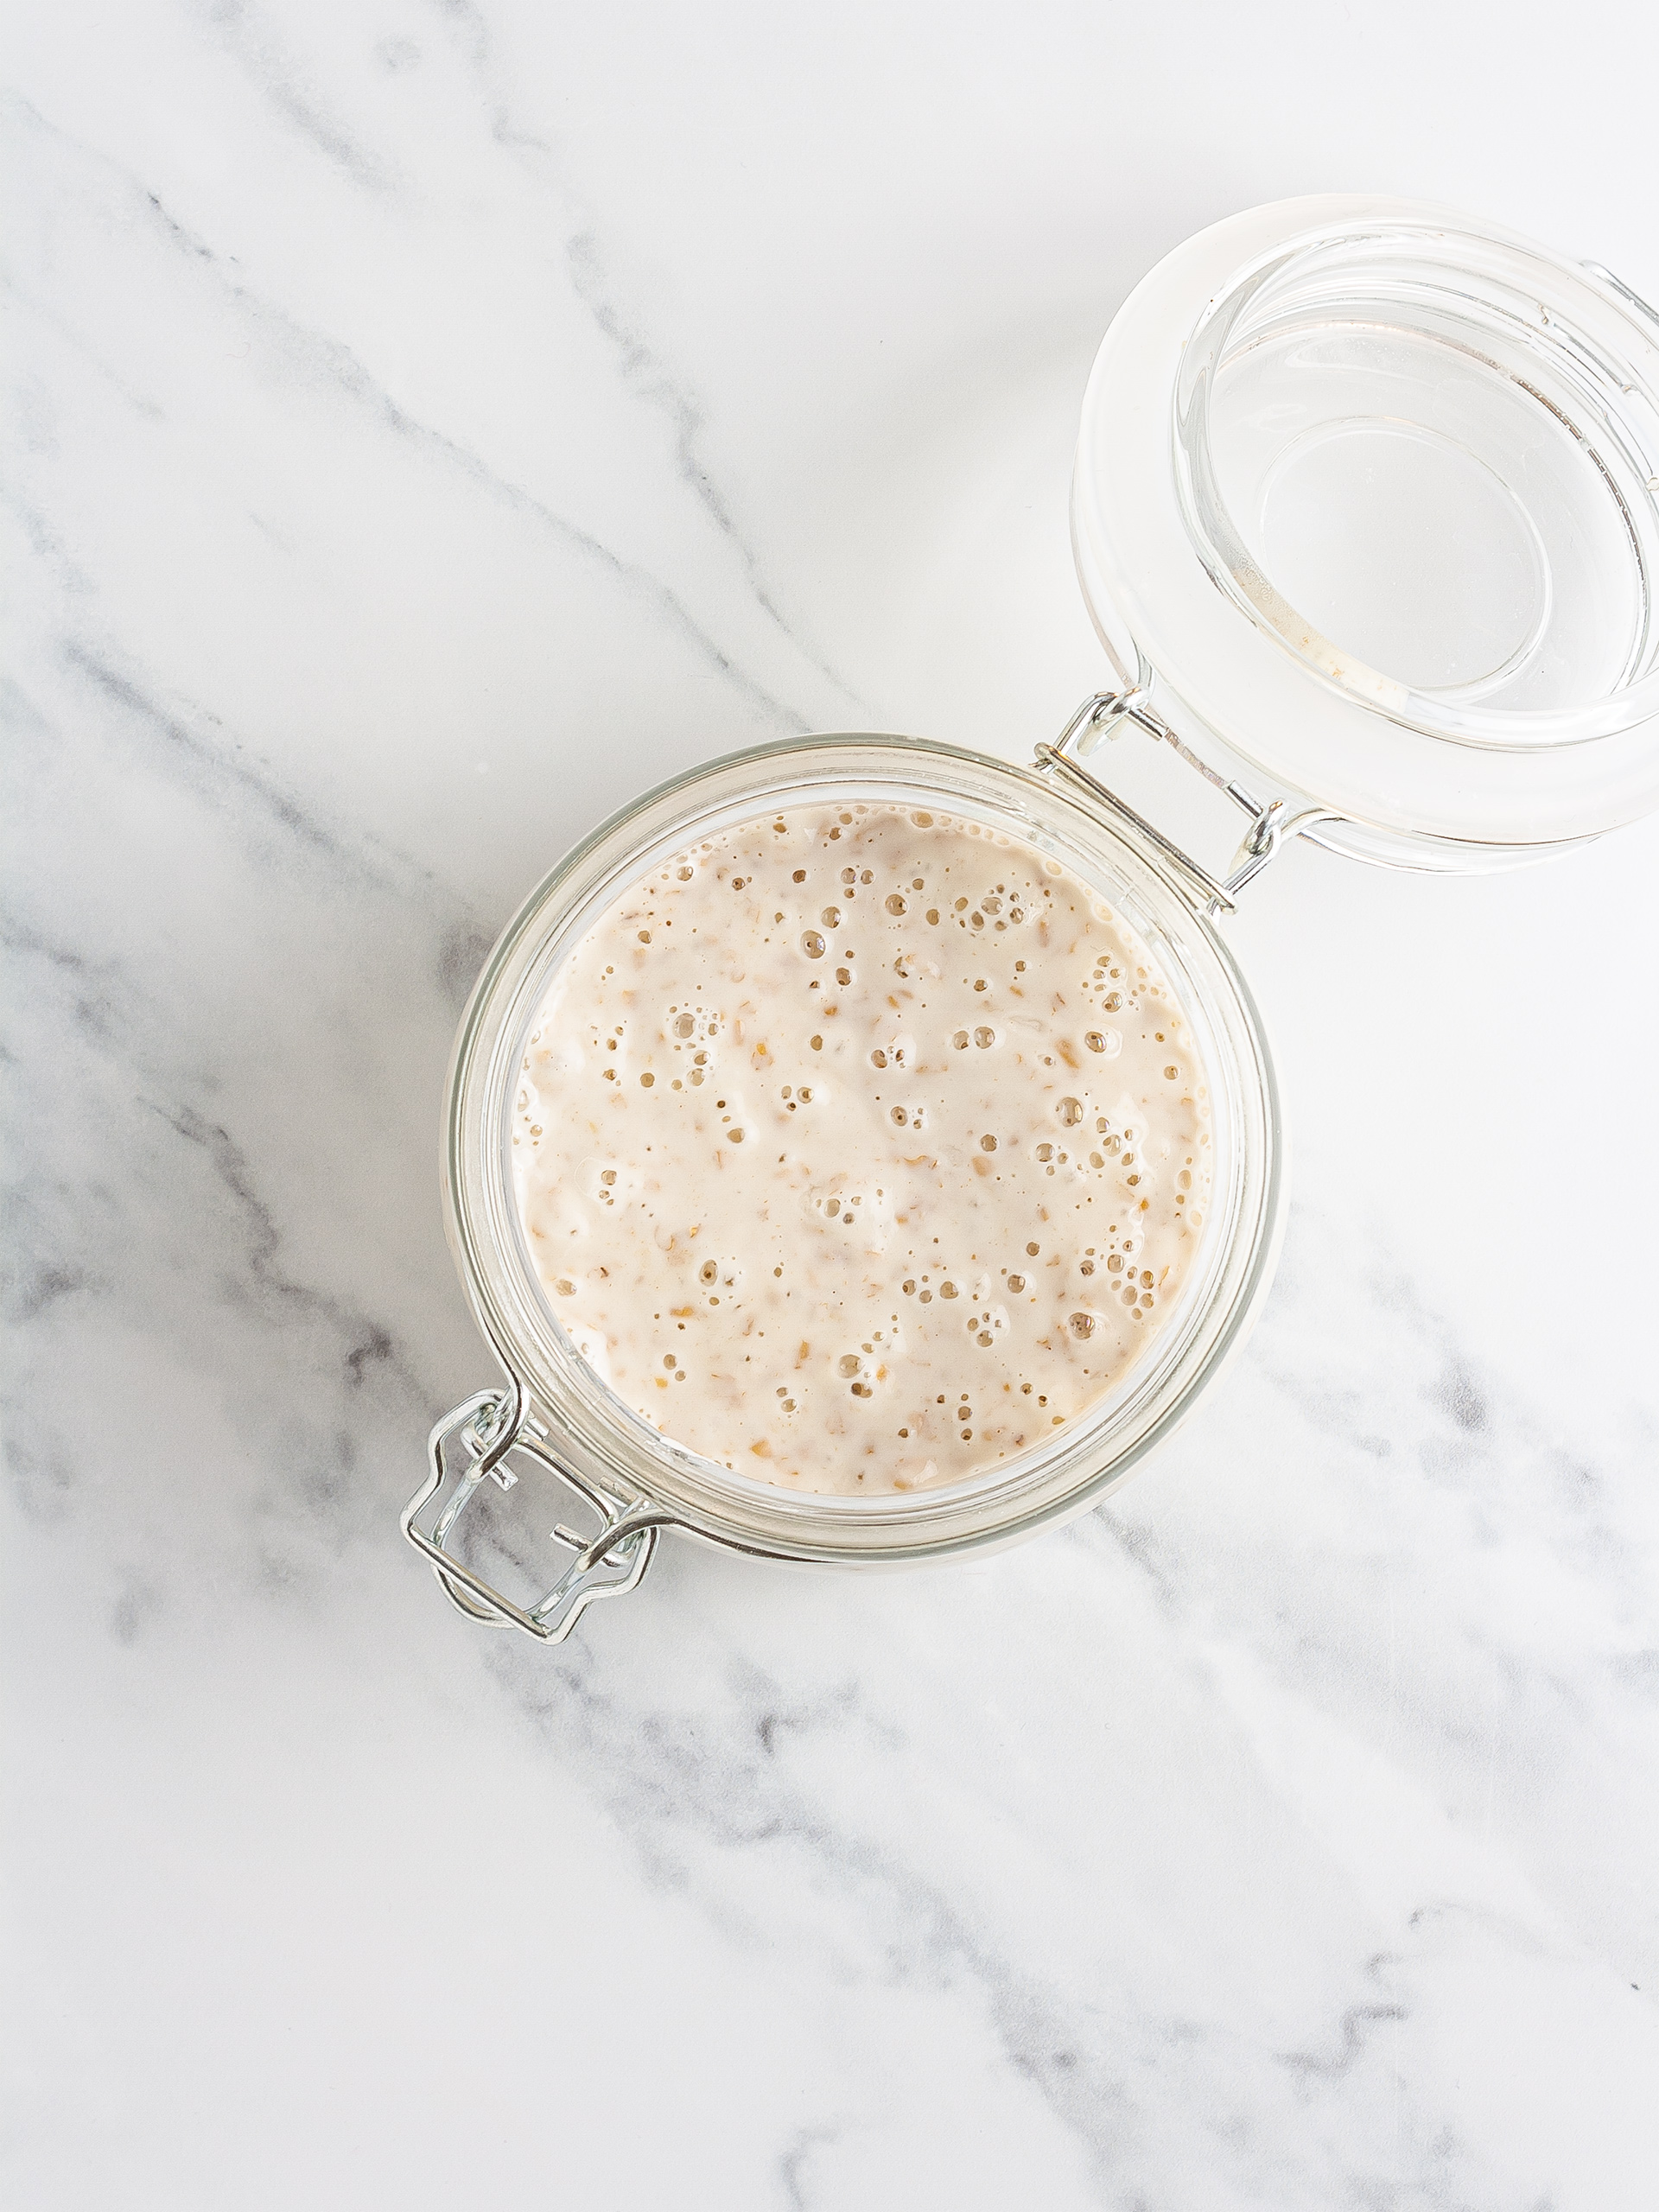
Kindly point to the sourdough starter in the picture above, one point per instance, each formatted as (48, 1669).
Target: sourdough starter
(859, 1148)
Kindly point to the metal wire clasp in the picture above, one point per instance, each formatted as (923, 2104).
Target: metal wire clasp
(1272, 826)
(488, 1427)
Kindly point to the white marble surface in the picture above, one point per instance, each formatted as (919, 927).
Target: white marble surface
(430, 424)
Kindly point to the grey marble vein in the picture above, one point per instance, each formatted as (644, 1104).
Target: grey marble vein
(648, 374)
(640, 357)
(313, 357)
(249, 33)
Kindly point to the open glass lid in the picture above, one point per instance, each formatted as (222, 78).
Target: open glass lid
(1367, 503)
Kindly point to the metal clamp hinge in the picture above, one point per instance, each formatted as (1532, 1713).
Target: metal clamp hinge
(1272, 824)
(488, 1427)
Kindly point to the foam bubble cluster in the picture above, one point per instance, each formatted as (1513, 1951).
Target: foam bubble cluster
(861, 1147)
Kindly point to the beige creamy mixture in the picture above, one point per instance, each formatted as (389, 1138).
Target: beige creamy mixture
(861, 1147)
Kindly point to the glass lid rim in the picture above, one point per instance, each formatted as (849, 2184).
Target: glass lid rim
(1165, 620)
(1425, 711)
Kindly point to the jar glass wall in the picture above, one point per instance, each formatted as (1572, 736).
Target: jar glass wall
(615, 1447)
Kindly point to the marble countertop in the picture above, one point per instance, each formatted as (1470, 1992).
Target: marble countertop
(430, 425)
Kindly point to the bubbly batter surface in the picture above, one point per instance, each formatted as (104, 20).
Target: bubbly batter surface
(861, 1147)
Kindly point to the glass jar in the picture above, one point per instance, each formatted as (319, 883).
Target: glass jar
(1366, 512)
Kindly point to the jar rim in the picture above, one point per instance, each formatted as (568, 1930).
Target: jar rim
(615, 1447)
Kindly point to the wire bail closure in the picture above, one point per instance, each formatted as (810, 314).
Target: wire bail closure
(1271, 828)
(489, 1427)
